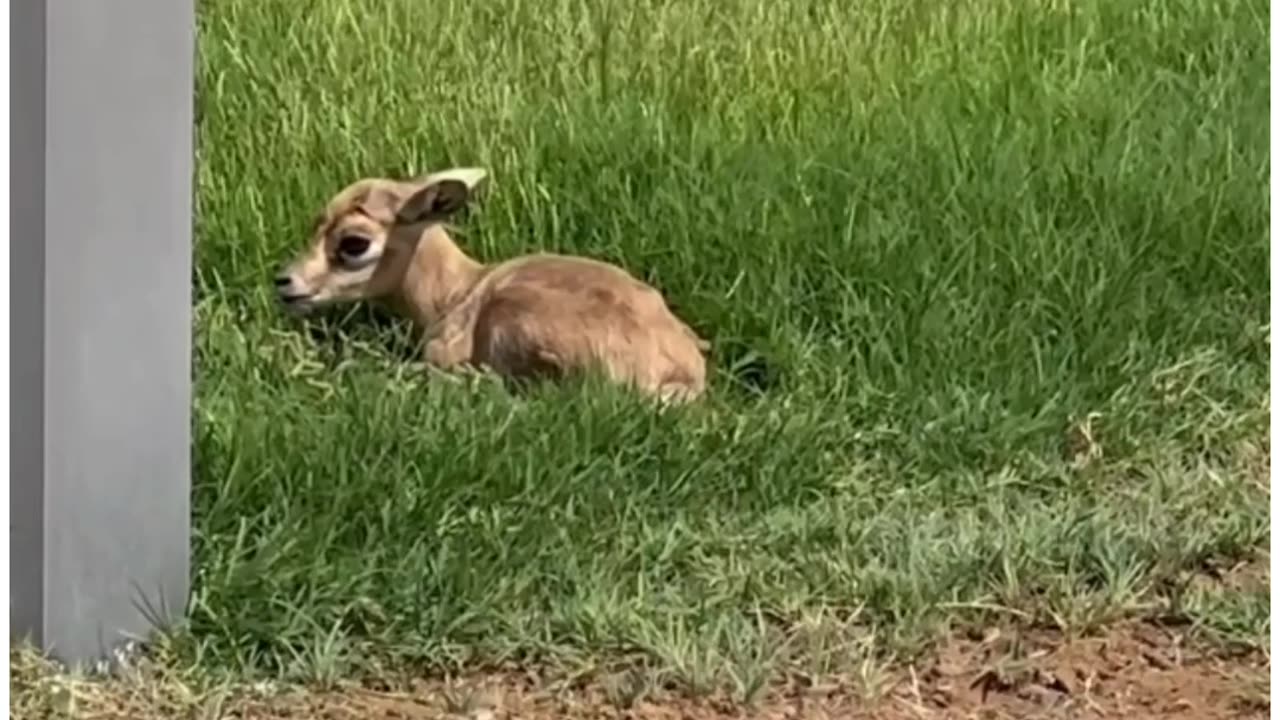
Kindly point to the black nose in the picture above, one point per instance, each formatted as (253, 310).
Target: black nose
(283, 281)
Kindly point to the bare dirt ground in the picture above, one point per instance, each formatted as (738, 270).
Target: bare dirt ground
(1134, 670)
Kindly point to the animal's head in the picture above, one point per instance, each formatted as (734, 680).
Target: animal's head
(362, 242)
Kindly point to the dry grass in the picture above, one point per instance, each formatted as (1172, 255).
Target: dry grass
(1129, 670)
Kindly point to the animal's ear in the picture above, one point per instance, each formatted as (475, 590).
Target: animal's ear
(435, 201)
(474, 177)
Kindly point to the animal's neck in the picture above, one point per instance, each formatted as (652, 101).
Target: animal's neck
(439, 275)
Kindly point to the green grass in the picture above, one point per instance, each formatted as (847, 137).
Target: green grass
(928, 240)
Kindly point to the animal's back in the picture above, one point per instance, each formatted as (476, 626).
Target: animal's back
(550, 314)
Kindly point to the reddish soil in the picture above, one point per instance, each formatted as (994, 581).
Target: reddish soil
(1135, 671)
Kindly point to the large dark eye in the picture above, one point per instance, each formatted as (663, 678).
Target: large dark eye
(351, 247)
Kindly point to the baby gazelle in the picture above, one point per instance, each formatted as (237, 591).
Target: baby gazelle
(539, 315)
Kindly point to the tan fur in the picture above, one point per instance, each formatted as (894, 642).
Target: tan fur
(540, 315)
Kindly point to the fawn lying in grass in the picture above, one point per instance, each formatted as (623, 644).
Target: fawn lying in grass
(534, 316)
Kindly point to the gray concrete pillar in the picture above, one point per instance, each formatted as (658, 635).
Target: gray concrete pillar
(101, 201)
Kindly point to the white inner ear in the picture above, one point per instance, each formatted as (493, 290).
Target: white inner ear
(472, 177)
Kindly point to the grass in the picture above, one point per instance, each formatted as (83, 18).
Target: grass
(987, 284)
